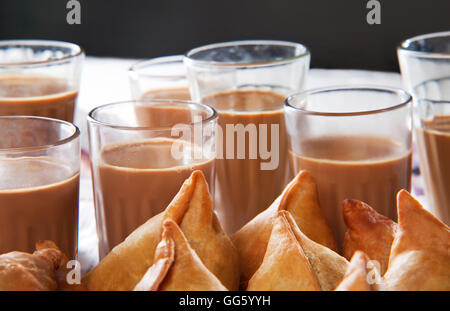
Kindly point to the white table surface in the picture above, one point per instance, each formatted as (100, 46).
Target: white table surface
(105, 80)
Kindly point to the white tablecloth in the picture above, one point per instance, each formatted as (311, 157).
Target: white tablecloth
(105, 80)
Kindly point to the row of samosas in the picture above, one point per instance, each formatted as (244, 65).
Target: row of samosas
(288, 246)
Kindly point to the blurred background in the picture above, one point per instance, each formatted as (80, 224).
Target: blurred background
(336, 31)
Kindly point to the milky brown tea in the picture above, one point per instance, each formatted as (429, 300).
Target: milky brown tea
(137, 180)
(243, 188)
(366, 168)
(178, 93)
(37, 96)
(38, 201)
(434, 139)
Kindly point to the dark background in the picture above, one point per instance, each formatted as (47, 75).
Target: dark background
(335, 30)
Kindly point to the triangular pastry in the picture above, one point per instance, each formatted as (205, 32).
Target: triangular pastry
(192, 210)
(284, 266)
(301, 200)
(368, 231)
(328, 266)
(176, 266)
(20, 271)
(361, 276)
(420, 254)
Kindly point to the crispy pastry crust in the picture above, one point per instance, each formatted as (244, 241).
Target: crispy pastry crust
(177, 267)
(420, 254)
(192, 210)
(301, 200)
(368, 231)
(358, 278)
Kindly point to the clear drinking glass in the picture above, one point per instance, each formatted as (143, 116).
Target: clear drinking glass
(356, 143)
(39, 181)
(141, 153)
(159, 78)
(425, 66)
(246, 82)
(39, 78)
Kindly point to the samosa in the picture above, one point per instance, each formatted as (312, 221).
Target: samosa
(292, 258)
(328, 266)
(62, 271)
(20, 271)
(361, 276)
(420, 254)
(192, 210)
(300, 198)
(368, 231)
(176, 266)
(284, 266)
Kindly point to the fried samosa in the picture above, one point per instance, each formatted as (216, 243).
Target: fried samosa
(368, 231)
(62, 271)
(301, 200)
(361, 276)
(420, 254)
(328, 266)
(20, 271)
(284, 266)
(177, 267)
(192, 210)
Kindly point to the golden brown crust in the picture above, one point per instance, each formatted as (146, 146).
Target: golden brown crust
(62, 271)
(300, 199)
(284, 266)
(207, 238)
(420, 254)
(328, 266)
(251, 241)
(20, 271)
(368, 231)
(358, 278)
(177, 267)
(164, 258)
(192, 210)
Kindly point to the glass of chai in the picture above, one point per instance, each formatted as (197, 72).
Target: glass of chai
(246, 82)
(139, 164)
(39, 181)
(425, 66)
(356, 143)
(39, 78)
(159, 78)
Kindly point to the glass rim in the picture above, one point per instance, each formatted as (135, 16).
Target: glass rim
(93, 120)
(402, 47)
(138, 66)
(421, 101)
(350, 88)
(75, 133)
(432, 101)
(285, 60)
(75, 49)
